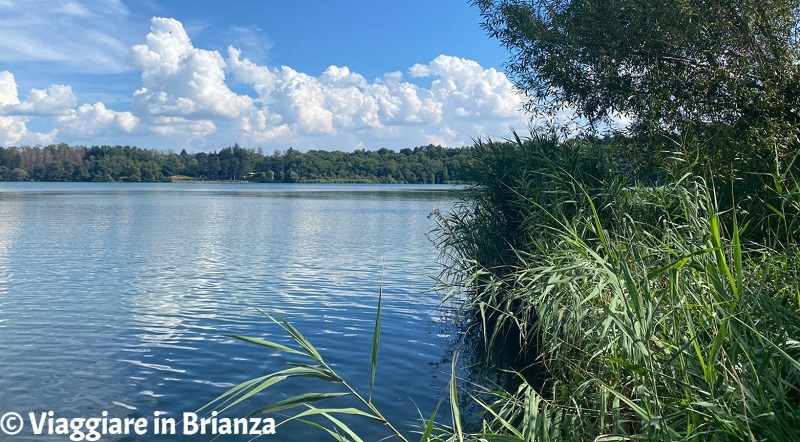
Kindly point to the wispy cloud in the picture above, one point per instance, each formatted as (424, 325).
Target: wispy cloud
(86, 36)
(252, 41)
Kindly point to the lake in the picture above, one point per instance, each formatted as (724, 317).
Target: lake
(116, 297)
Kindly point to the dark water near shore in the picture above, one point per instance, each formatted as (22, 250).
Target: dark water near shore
(115, 297)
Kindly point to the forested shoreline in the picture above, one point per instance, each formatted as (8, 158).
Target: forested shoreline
(421, 165)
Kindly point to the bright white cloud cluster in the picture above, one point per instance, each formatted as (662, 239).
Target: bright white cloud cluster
(96, 119)
(8, 89)
(55, 100)
(181, 80)
(186, 95)
(468, 91)
(13, 122)
(462, 95)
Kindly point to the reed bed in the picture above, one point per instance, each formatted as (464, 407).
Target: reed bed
(652, 312)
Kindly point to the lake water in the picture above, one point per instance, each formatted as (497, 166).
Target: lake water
(115, 297)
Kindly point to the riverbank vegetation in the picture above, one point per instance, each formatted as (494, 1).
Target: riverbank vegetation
(634, 309)
(420, 165)
(646, 283)
(649, 310)
(652, 279)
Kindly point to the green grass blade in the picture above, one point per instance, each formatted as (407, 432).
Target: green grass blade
(344, 427)
(349, 410)
(335, 435)
(295, 334)
(296, 401)
(454, 410)
(737, 258)
(261, 387)
(225, 397)
(430, 423)
(376, 338)
(264, 343)
(503, 422)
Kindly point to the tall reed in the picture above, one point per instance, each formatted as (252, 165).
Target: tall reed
(653, 320)
(652, 314)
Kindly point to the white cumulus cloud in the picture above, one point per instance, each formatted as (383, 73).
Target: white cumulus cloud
(185, 95)
(461, 98)
(58, 99)
(8, 89)
(261, 78)
(14, 129)
(468, 91)
(14, 132)
(181, 80)
(95, 119)
(169, 126)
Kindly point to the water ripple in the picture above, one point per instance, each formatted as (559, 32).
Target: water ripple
(118, 298)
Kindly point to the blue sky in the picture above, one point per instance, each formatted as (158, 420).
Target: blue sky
(202, 75)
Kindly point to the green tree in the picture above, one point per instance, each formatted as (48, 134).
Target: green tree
(39, 173)
(19, 174)
(150, 172)
(291, 177)
(56, 171)
(728, 68)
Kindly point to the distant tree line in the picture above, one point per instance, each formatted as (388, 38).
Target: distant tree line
(61, 162)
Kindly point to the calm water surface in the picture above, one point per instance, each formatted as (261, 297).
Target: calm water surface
(115, 297)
